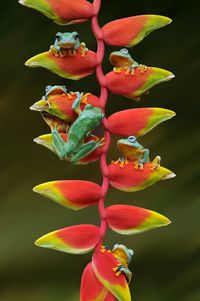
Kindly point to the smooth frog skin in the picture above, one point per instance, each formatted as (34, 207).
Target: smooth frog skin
(123, 256)
(122, 60)
(53, 90)
(75, 149)
(67, 43)
(135, 152)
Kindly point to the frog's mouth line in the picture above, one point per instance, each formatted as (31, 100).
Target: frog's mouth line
(67, 44)
(57, 91)
(119, 61)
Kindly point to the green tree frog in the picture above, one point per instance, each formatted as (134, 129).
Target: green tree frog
(122, 60)
(75, 149)
(66, 44)
(123, 256)
(135, 152)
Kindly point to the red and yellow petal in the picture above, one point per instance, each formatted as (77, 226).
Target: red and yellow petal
(130, 31)
(78, 239)
(72, 67)
(137, 122)
(133, 86)
(46, 141)
(73, 194)
(103, 265)
(92, 289)
(62, 12)
(128, 220)
(60, 105)
(130, 179)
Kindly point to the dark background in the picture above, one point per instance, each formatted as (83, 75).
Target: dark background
(166, 262)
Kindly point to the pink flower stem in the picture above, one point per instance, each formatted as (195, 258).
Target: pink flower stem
(103, 100)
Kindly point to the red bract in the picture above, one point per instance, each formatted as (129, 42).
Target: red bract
(133, 86)
(91, 288)
(132, 220)
(62, 12)
(137, 122)
(76, 239)
(71, 194)
(103, 265)
(72, 67)
(130, 31)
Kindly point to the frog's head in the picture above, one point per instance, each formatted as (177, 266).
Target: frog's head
(125, 144)
(94, 111)
(121, 58)
(67, 39)
(54, 90)
(123, 253)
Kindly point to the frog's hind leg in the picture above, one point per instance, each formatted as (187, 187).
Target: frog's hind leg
(76, 104)
(86, 149)
(156, 163)
(58, 144)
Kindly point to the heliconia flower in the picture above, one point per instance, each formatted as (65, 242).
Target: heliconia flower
(133, 86)
(103, 265)
(130, 179)
(62, 12)
(73, 194)
(137, 122)
(60, 105)
(92, 289)
(78, 239)
(72, 67)
(130, 31)
(127, 220)
(46, 141)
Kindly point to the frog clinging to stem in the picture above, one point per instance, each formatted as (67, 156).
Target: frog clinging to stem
(66, 44)
(135, 153)
(75, 149)
(122, 60)
(123, 256)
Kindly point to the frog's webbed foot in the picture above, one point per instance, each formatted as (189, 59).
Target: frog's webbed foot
(142, 68)
(83, 48)
(121, 269)
(105, 249)
(58, 143)
(54, 51)
(84, 97)
(156, 163)
(122, 161)
(118, 70)
(138, 165)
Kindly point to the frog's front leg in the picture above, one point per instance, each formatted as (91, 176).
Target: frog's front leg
(156, 163)
(54, 50)
(121, 269)
(85, 149)
(145, 159)
(58, 144)
(76, 104)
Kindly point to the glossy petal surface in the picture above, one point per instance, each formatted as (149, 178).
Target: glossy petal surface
(103, 264)
(60, 105)
(73, 194)
(130, 179)
(76, 239)
(126, 219)
(137, 122)
(133, 86)
(46, 141)
(62, 12)
(130, 31)
(72, 67)
(92, 289)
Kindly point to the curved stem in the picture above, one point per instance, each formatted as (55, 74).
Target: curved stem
(103, 100)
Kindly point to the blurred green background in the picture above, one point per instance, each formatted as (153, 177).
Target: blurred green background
(166, 262)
